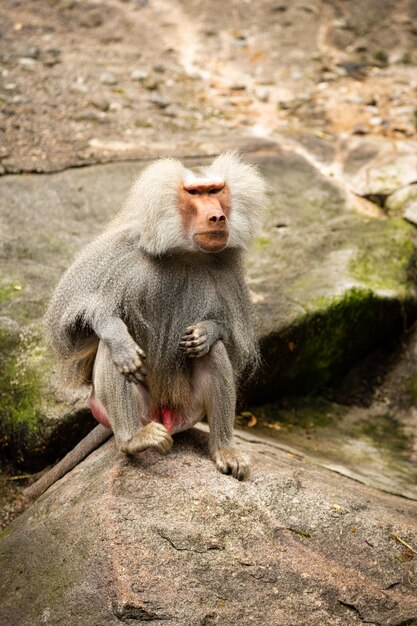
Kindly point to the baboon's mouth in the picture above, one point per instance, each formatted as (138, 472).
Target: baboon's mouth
(212, 240)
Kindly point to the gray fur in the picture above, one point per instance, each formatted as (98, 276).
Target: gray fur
(138, 287)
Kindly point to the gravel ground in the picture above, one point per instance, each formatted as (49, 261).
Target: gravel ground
(86, 82)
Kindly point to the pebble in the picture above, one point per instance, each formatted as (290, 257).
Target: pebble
(150, 83)
(263, 94)
(375, 120)
(353, 99)
(158, 67)
(90, 116)
(27, 63)
(100, 102)
(360, 129)
(159, 100)
(296, 74)
(279, 8)
(139, 75)
(52, 57)
(31, 52)
(107, 78)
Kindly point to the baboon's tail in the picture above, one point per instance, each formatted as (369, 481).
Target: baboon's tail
(91, 442)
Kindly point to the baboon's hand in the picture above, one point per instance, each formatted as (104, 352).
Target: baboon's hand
(195, 341)
(128, 359)
(153, 435)
(230, 461)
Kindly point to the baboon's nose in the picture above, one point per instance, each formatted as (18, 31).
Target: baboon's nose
(218, 220)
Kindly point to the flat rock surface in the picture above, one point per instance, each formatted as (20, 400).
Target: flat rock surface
(170, 539)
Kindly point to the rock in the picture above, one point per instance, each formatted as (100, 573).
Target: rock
(403, 202)
(51, 57)
(159, 100)
(360, 129)
(376, 165)
(159, 68)
(150, 83)
(328, 284)
(171, 539)
(91, 116)
(139, 75)
(410, 213)
(31, 52)
(100, 102)
(107, 78)
(263, 94)
(27, 63)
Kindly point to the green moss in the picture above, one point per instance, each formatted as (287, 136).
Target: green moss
(22, 396)
(385, 431)
(8, 291)
(307, 413)
(262, 242)
(4, 533)
(324, 342)
(386, 266)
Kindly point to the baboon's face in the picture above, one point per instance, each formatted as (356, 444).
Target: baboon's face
(205, 209)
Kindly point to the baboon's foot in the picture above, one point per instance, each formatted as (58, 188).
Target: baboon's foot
(230, 461)
(152, 435)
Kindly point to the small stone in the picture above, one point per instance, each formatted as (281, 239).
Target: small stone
(263, 94)
(27, 63)
(19, 99)
(52, 57)
(150, 83)
(139, 75)
(375, 120)
(296, 74)
(158, 67)
(360, 129)
(90, 116)
(79, 87)
(159, 100)
(31, 52)
(100, 102)
(107, 78)
(354, 99)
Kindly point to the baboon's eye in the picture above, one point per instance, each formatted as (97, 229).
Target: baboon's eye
(193, 192)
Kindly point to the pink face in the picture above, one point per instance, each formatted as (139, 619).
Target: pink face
(205, 211)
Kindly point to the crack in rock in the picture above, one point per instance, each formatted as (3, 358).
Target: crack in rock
(196, 544)
(138, 613)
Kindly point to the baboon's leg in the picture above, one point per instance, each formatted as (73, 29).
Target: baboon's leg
(214, 385)
(126, 406)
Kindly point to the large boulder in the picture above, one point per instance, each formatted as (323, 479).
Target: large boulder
(329, 279)
(171, 539)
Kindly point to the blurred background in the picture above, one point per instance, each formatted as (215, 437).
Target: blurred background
(88, 81)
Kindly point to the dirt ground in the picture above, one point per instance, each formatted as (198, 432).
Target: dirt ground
(94, 81)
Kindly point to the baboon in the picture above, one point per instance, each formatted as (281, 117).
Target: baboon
(155, 315)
